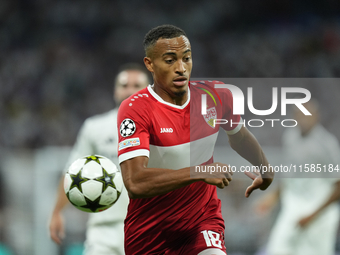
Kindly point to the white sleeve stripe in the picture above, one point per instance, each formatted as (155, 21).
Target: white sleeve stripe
(235, 130)
(133, 154)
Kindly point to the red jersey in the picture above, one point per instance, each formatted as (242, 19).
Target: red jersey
(173, 137)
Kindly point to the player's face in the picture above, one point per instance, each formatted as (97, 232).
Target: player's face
(170, 64)
(128, 83)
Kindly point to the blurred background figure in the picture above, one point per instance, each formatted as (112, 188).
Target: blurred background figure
(4, 250)
(98, 135)
(308, 220)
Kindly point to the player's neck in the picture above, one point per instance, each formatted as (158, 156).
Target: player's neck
(175, 98)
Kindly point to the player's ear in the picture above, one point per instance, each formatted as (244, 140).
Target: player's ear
(148, 64)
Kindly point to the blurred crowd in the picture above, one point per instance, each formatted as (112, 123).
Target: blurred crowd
(58, 58)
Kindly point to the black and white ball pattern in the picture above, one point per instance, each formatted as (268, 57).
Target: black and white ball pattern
(127, 128)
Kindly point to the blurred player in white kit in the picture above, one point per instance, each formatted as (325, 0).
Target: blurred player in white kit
(308, 220)
(98, 135)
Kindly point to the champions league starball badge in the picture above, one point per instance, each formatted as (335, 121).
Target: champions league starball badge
(127, 128)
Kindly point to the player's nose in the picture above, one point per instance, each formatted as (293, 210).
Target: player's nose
(131, 90)
(180, 67)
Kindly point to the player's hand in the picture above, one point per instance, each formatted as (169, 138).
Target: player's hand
(262, 208)
(258, 182)
(267, 203)
(219, 179)
(304, 222)
(56, 227)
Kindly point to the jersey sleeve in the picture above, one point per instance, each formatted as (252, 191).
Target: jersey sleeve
(234, 120)
(83, 145)
(133, 130)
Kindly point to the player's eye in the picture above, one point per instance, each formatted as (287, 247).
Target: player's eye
(188, 58)
(169, 61)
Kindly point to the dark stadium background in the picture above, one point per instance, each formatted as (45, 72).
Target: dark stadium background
(57, 63)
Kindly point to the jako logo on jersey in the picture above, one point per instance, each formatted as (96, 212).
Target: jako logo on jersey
(167, 130)
(128, 143)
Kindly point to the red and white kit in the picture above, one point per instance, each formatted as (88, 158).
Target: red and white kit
(187, 220)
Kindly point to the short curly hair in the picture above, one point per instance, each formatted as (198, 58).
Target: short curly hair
(163, 31)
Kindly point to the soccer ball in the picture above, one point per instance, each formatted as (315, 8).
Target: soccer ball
(93, 183)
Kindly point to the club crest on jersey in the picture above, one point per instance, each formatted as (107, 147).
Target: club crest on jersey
(127, 127)
(211, 116)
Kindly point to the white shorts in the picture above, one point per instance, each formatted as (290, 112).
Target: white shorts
(105, 239)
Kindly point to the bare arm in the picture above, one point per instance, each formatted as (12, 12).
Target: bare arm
(56, 225)
(335, 196)
(143, 182)
(246, 145)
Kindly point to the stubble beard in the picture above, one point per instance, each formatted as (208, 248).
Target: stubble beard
(180, 93)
